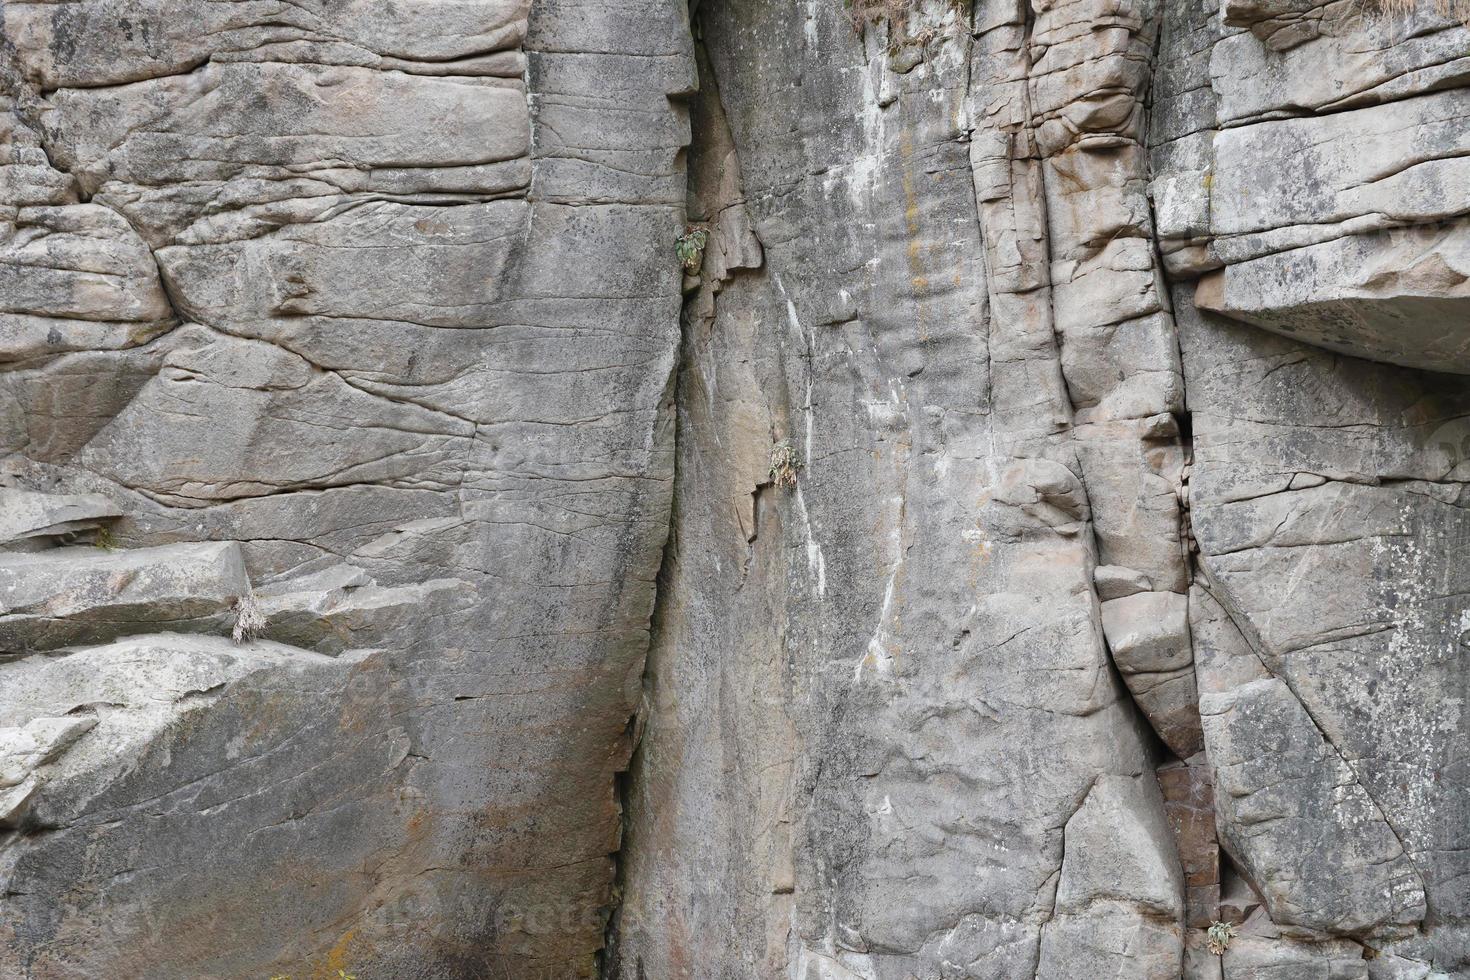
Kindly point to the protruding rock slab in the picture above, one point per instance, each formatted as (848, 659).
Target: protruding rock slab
(124, 693)
(342, 608)
(54, 598)
(1397, 296)
(25, 514)
(25, 749)
(76, 277)
(1148, 634)
(1297, 821)
(1263, 952)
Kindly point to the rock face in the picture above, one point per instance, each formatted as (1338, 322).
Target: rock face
(349, 310)
(814, 490)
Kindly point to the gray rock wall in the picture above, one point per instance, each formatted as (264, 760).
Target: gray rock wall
(1026, 539)
(364, 291)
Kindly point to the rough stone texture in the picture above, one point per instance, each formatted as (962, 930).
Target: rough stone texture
(1189, 803)
(1297, 820)
(63, 596)
(1118, 909)
(874, 714)
(381, 292)
(1148, 634)
(1335, 226)
(1292, 813)
(28, 519)
(1030, 528)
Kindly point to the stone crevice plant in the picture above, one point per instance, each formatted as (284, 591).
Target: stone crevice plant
(1218, 937)
(784, 464)
(690, 248)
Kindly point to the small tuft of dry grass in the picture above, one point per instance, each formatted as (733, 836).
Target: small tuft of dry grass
(250, 620)
(866, 12)
(1457, 8)
(784, 464)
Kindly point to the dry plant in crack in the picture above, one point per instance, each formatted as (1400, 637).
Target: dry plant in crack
(250, 621)
(1456, 8)
(784, 464)
(865, 12)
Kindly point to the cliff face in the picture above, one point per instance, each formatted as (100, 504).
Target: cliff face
(367, 291)
(1032, 533)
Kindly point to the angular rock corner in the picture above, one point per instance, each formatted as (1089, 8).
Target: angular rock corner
(869, 490)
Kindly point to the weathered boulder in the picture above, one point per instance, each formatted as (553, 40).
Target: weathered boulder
(76, 277)
(27, 748)
(1120, 898)
(128, 692)
(1148, 636)
(1263, 952)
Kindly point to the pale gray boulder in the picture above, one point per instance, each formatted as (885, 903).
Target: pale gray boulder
(384, 353)
(1391, 164)
(26, 175)
(122, 696)
(24, 750)
(286, 425)
(1148, 636)
(76, 277)
(1263, 952)
(164, 151)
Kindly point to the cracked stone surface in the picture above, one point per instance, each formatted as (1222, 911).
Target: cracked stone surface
(1030, 530)
(356, 299)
